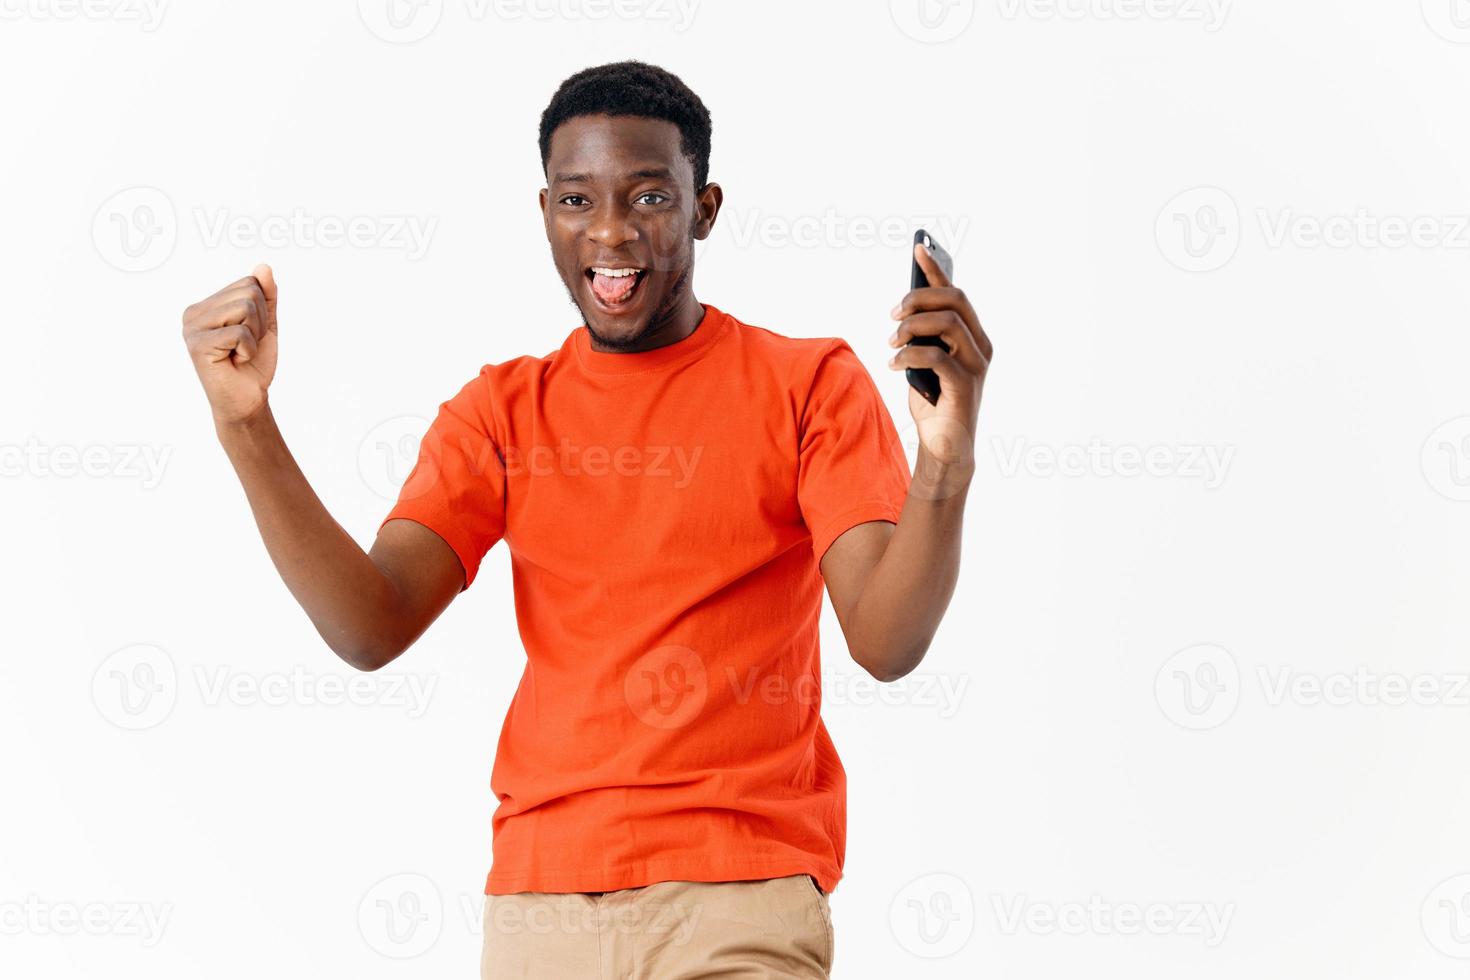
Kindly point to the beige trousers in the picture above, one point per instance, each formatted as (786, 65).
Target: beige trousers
(670, 930)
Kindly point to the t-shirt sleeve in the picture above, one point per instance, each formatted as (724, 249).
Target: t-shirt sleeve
(853, 468)
(457, 486)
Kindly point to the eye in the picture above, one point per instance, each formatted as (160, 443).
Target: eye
(573, 200)
(655, 196)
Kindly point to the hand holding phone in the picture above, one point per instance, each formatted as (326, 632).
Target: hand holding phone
(923, 380)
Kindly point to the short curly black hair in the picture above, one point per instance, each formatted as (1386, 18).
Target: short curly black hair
(633, 88)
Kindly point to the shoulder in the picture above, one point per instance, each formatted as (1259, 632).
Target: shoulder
(801, 357)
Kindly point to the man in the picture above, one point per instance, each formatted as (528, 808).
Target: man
(675, 487)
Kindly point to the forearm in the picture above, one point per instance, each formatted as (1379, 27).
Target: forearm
(910, 587)
(349, 600)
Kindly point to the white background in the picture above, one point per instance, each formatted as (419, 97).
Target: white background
(1231, 231)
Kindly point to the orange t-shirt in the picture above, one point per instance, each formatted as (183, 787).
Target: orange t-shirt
(665, 513)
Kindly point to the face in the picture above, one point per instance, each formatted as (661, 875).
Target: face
(622, 217)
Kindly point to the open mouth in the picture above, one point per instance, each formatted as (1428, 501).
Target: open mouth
(615, 288)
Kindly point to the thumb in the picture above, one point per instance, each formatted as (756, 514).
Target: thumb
(267, 280)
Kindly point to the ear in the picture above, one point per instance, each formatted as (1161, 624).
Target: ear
(706, 209)
(545, 200)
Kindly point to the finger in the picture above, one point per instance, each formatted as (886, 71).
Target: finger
(234, 287)
(245, 306)
(221, 343)
(949, 327)
(938, 298)
(265, 276)
(952, 376)
(931, 268)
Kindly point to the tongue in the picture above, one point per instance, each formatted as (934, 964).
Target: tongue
(612, 289)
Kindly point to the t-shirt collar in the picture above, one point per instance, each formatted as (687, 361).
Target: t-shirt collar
(710, 328)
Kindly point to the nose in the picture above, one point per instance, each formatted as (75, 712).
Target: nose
(611, 226)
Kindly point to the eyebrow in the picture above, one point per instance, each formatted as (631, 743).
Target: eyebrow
(650, 173)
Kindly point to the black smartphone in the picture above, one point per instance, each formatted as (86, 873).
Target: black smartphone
(923, 380)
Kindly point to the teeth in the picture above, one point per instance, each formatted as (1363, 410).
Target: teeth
(615, 273)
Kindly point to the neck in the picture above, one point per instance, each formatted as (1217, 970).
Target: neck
(669, 326)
